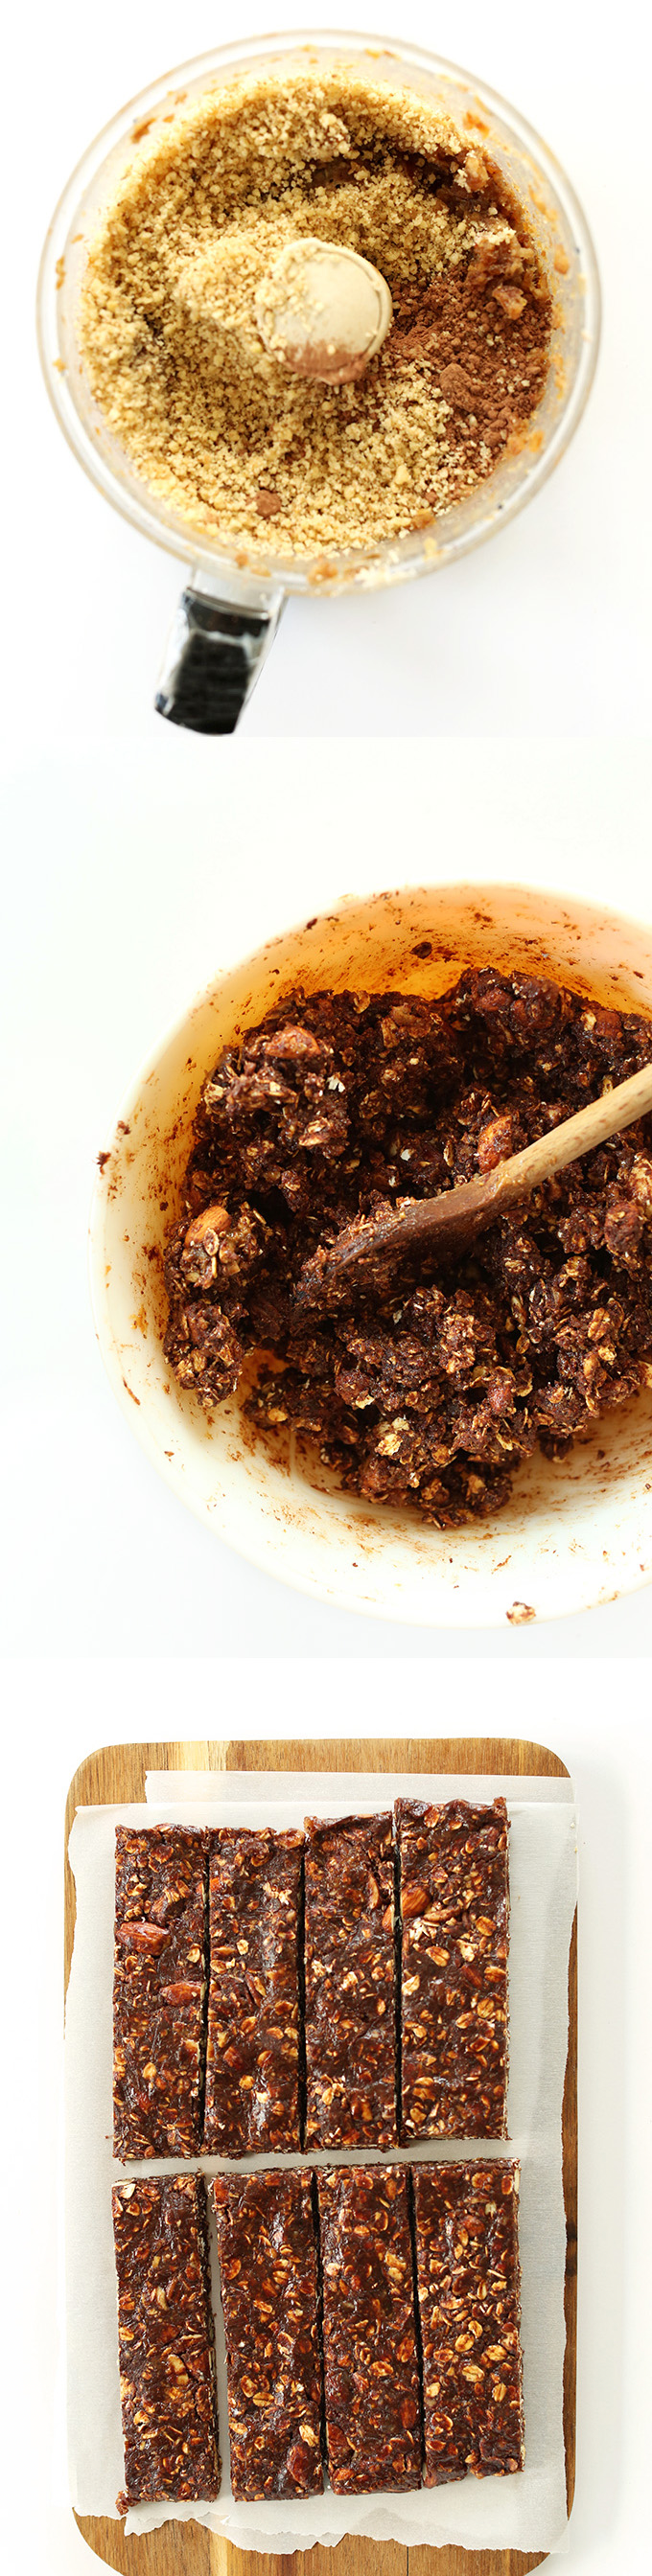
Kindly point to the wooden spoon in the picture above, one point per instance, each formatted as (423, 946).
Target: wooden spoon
(449, 1223)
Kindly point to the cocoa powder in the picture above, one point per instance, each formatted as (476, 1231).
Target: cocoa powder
(486, 343)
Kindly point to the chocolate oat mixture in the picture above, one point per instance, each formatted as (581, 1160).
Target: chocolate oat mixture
(428, 1388)
(219, 430)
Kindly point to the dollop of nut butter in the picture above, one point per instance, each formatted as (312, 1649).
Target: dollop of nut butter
(323, 311)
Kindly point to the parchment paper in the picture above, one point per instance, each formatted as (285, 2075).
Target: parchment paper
(527, 2511)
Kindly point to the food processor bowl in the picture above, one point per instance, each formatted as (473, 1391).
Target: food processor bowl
(229, 609)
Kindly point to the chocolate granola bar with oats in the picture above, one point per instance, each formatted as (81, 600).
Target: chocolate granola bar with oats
(159, 1985)
(428, 1389)
(252, 2063)
(349, 1983)
(166, 2342)
(269, 2274)
(371, 2371)
(454, 1899)
(468, 2288)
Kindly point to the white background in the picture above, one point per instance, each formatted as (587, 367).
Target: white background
(136, 863)
(595, 1720)
(539, 631)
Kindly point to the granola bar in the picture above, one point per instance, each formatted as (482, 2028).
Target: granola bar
(468, 2285)
(252, 2066)
(166, 2341)
(454, 1928)
(268, 2261)
(160, 1972)
(349, 1983)
(371, 2374)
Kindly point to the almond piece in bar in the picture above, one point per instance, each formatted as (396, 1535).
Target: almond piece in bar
(469, 2303)
(269, 2278)
(371, 2371)
(252, 2065)
(159, 1987)
(454, 1897)
(166, 2342)
(349, 1983)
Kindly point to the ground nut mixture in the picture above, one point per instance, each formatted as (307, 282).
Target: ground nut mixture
(221, 431)
(427, 1389)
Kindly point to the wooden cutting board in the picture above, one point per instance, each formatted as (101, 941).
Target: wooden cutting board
(115, 1776)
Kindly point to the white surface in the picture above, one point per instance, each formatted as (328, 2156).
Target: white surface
(599, 1724)
(123, 900)
(528, 2512)
(543, 629)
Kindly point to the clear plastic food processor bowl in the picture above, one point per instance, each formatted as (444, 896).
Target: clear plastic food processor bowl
(227, 615)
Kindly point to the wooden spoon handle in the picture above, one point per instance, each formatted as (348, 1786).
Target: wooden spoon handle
(551, 1153)
(450, 1223)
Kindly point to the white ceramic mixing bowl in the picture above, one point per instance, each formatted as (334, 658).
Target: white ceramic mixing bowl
(575, 1533)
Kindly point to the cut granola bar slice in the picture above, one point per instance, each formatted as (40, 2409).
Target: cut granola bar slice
(468, 2283)
(454, 1898)
(349, 1974)
(371, 2374)
(159, 1985)
(268, 2262)
(252, 2066)
(166, 2342)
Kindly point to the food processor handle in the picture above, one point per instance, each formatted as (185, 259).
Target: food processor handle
(216, 649)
